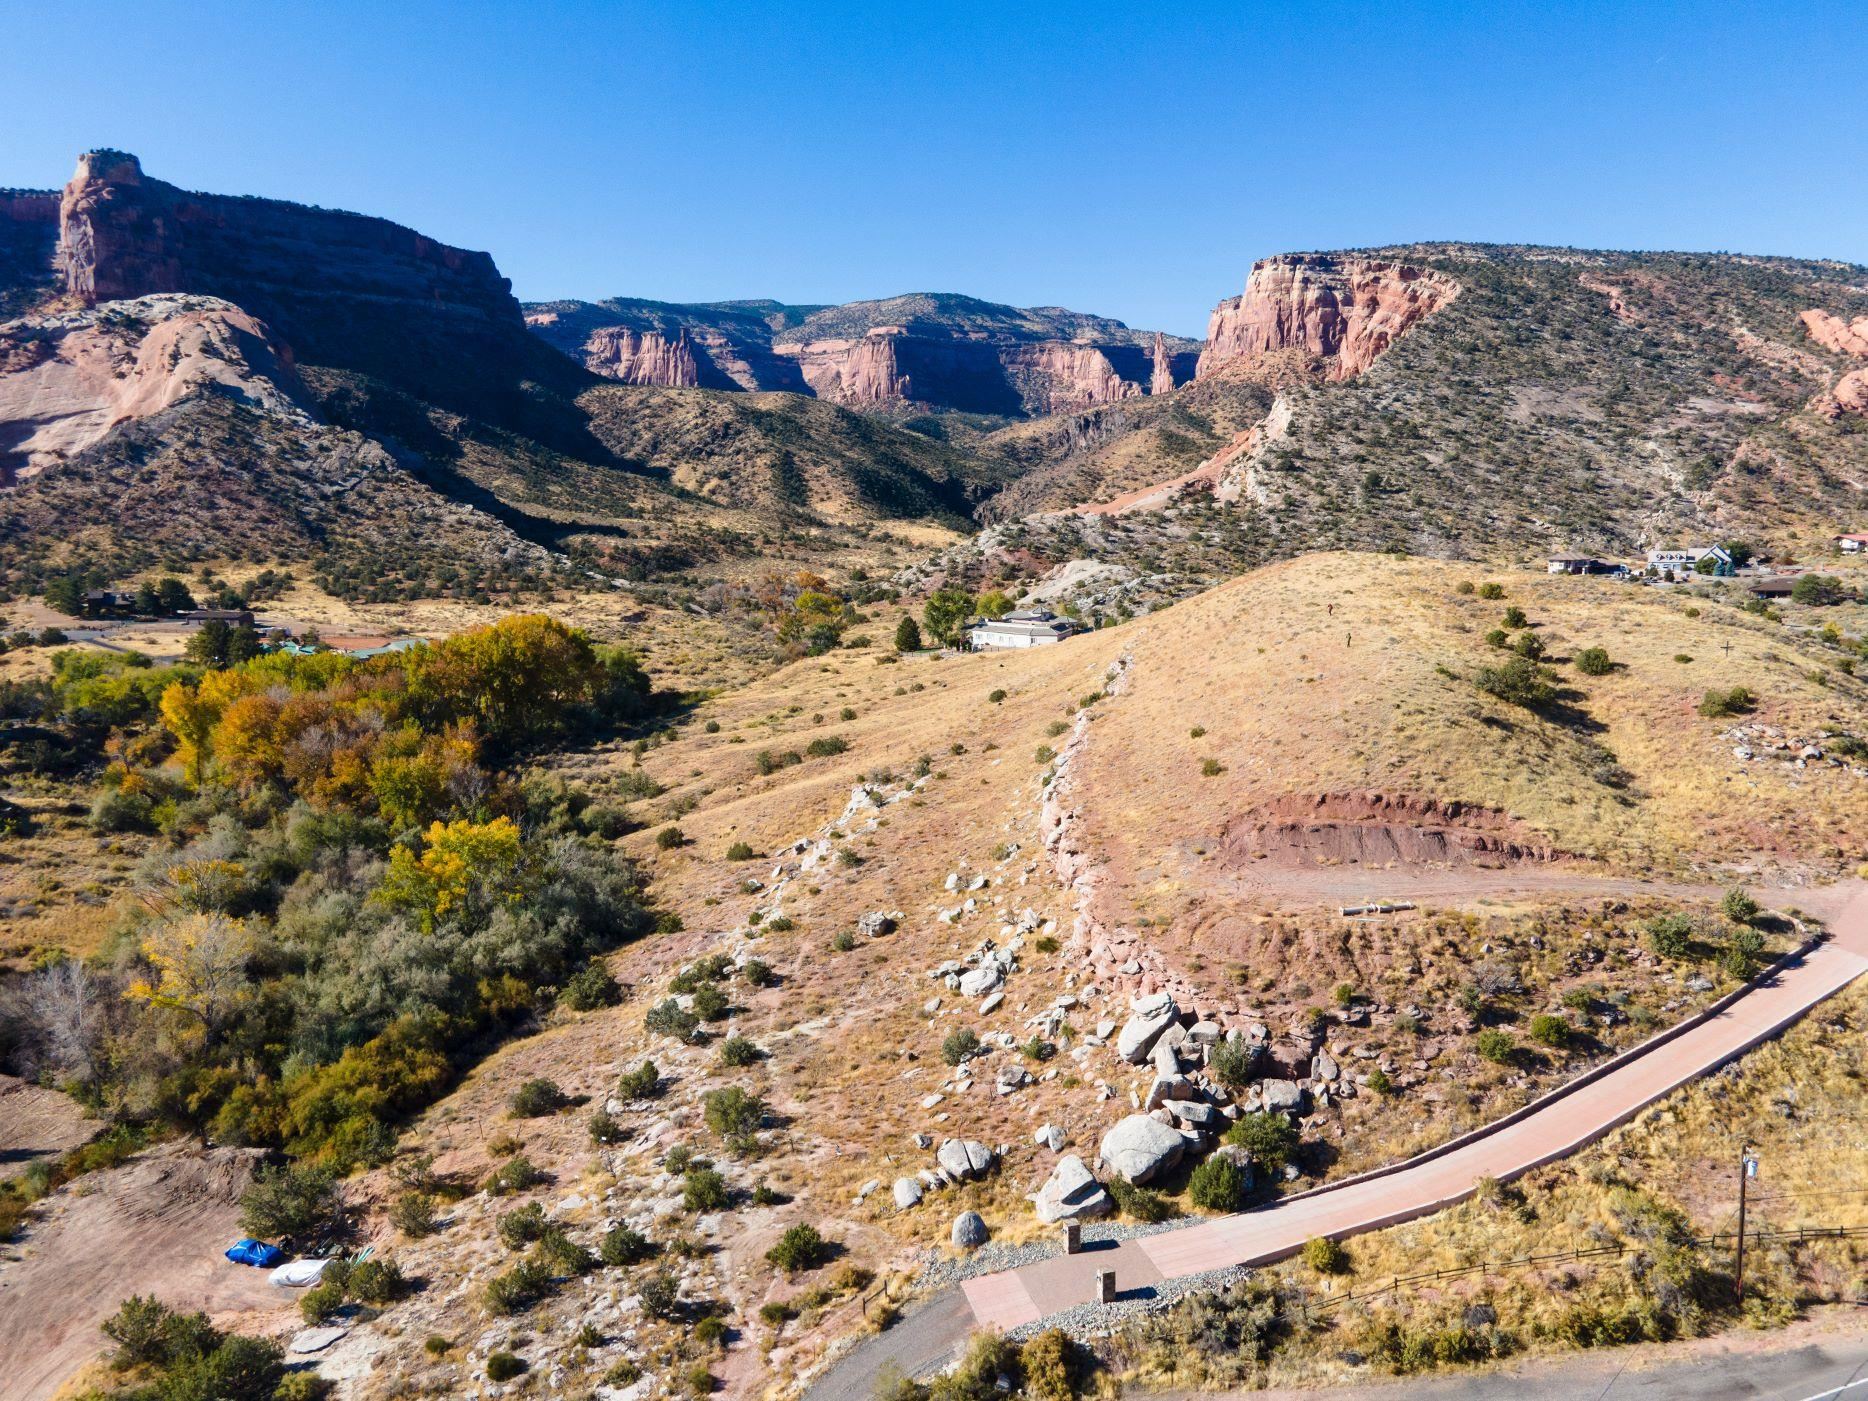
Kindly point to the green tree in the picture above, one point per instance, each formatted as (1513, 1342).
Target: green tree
(1218, 1184)
(995, 603)
(65, 594)
(172, 595)
(946, 612)
(907, 635)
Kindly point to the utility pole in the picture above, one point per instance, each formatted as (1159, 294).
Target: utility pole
(1747, 1169)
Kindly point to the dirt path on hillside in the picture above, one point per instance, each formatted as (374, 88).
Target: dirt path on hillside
(156, 1225)
(1295, 886)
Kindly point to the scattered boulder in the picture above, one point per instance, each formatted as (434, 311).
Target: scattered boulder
(969, 1230)
(1281, 1094)
(964, 1158)
(907, 1193)
(1049, 1136)
(876, 923)
(1195, 1113)
(1140, 1147)
(1071, 1193)
(977, 982)
(1150, 1018)
(1324, 1067)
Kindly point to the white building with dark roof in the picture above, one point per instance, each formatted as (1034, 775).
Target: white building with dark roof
(1028, 627)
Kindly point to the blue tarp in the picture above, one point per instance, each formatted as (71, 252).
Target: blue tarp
(255, 1252)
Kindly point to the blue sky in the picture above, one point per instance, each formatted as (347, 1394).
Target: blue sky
(1126, 159)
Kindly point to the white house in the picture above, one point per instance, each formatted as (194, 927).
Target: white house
(1668, 563)
(1852, 544)
(1029, 627)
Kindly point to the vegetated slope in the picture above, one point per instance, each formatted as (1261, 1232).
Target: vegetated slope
(1322, 680)
(1561, 400)
(783, 454)
(936, 777)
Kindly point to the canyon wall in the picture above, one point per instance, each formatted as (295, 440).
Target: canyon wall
(28, 246)
(1341, 309)
(949, 353)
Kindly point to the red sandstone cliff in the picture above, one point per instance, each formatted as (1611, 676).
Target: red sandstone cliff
(1342, 309)
(642, 357)
(1052, 377)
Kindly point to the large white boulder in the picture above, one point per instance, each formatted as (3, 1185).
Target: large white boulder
(962, 1158)
(1151, 1016)
(1071, 1193)
(1140, 1147)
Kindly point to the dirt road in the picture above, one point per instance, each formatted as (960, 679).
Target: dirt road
(153, 1226)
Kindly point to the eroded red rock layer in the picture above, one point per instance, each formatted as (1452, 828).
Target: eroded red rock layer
(1343, 310)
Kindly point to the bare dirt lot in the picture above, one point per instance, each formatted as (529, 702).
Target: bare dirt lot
(37, 1123)
(156, 1226)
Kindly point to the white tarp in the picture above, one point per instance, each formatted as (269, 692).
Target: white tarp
(296, 1274)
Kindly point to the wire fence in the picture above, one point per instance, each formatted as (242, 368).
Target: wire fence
(1800, 1235)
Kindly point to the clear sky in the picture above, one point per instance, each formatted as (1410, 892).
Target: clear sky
(1127, 159)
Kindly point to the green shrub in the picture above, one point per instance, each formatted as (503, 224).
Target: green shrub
(660, 1295)
(1495, 1045)
(518, 1288)
(995, 697)
(1038, 1049)
(1719, 705)
(740, 851)
(296, 1201)
(1519, 681)
(1325, 1256)
(703, 1190)
(1739, 907)
(521, 1226)
(516, 1174)
(1491, 591)
(1671, 936)
(670, 838)
(624, 1245)
(800, 1248)
(536, 1099)
(758, 972)
(504, 1366)
(605, 1128)
(414, 1215)
(843, 941)
(562, 1255)
(1551, 1031)
(591, 988)
(1218, 1184)
(1270, 1138)
(644, 1082)
(739, 1051)
(1382, 1083)
(1498, 637)
(711, 1004)
(958, 1045)
(149, 1333)
(667, 1018)
(824, 746)
(1043, 754)
(1211, 768)
(731, 1112)
(1594, 661)
(1233, 1063)
(1140, 1204)
(1530, 645)
(376, 1281)
(1055, 1366)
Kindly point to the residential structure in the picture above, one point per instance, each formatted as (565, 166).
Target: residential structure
(1680, 563)
(1582, 564)
(1028, 627)
(1852, 544)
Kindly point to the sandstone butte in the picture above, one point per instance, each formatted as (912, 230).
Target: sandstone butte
(1344, 310)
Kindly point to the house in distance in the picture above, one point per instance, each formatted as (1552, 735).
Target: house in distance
(1028, 627)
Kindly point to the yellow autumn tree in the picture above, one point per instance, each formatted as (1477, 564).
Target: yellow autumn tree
(200, 966)
(192, 714)
(459, 861)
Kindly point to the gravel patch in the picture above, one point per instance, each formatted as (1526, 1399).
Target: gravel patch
(939, 1270)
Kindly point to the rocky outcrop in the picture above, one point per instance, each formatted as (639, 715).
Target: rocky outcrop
(342, 290)
(1833, 333)
(28, 245)
(1141, 1148)
(1055, 378)
(642, 357)
(1161, 368)
(1849, 394)
(1343, 310)
(68, 379)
